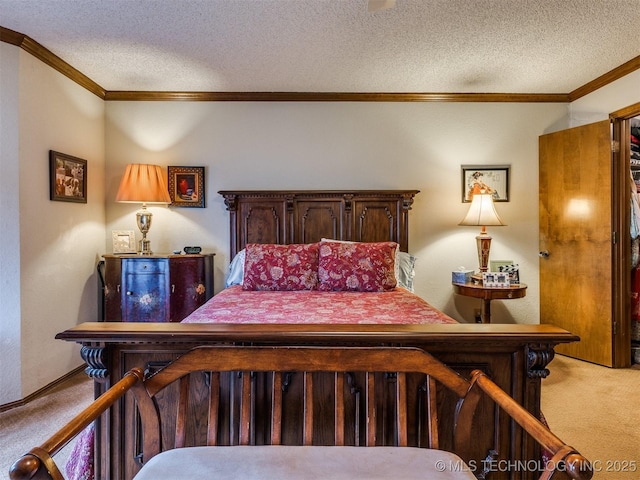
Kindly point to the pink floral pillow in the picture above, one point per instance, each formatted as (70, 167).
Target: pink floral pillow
(281, 267)
(358, 267)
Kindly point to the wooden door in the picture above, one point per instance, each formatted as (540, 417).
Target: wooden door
(576, 229)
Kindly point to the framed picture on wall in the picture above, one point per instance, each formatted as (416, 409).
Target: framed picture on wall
(68, 178)
(494, 179)
(186, 186)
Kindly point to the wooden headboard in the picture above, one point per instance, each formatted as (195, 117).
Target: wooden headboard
(306, 216)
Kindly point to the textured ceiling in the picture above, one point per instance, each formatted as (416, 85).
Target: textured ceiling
(475, 46)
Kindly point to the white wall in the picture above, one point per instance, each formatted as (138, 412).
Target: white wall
(598, 105)
(10, 380)
(345, 146)
(60, 242)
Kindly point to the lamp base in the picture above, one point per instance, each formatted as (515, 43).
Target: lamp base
(143, 218)
(483, 242)
(144, 247)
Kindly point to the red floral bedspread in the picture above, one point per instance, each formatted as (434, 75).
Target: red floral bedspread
(234, 305)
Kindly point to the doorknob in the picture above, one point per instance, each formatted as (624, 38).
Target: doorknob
(544, 254)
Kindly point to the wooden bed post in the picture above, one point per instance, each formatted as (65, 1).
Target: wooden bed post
(231, 201)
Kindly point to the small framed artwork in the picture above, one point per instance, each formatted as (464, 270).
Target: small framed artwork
(508, 267)
(68, 178)
(493, 179)
(124, 241)
(186, 186)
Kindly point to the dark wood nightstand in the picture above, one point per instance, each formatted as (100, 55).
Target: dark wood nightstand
(486, 294)
(156, 288)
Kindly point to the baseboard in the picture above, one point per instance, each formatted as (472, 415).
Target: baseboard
(42, 391)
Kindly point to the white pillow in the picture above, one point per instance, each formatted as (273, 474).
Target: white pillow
(405, 270)
(235, 275)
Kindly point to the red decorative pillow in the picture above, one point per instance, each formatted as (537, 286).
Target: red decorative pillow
(281, 267)
(358, 267)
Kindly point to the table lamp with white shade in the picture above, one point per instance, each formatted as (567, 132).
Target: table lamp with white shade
(482, 213)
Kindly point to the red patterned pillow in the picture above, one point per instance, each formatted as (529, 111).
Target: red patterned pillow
(281, 267)
(358, 267)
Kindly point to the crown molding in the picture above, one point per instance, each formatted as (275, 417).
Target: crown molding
(609, 77)
(9, 36)
(46, 56)
(333, 97)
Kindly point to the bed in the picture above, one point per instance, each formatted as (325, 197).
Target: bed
(319, 258)
(515, 356)
(341, 259)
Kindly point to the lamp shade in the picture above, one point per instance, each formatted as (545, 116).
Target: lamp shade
(143, 183)
(482, 212)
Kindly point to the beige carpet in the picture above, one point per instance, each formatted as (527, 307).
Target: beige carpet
(597, 411)
(28, 426)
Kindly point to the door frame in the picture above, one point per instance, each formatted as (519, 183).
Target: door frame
(621, 272)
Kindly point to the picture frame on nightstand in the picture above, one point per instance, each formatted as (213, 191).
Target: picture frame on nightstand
(506, 266)
(495, 280)
(123, 241)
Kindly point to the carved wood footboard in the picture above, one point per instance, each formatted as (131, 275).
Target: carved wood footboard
(165, 429)
(514, 356)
